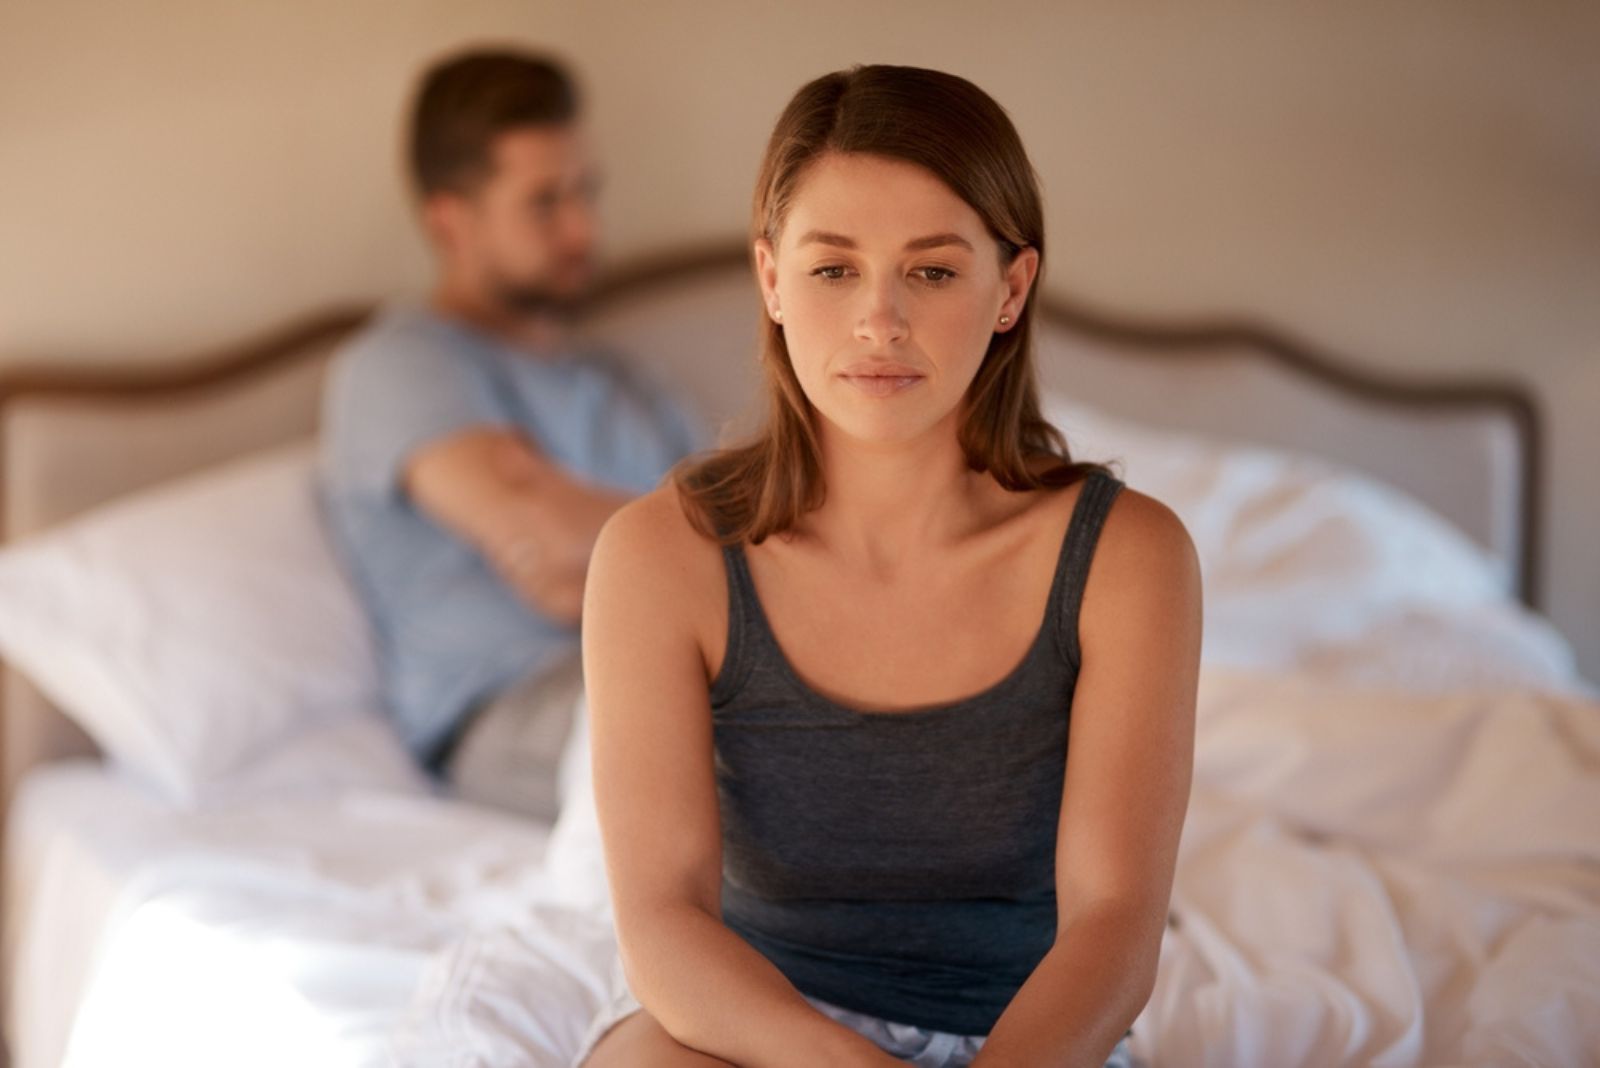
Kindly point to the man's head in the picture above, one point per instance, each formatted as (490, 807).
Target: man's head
(505, 178)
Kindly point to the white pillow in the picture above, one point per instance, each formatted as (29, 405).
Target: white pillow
(1295, 551)
(193, 627)
(327, 758)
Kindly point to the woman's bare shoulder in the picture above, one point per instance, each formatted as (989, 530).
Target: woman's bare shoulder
(1144, 545)
(1144, 525)
(650, 549)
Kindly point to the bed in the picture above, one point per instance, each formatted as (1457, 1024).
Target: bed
(215, 851)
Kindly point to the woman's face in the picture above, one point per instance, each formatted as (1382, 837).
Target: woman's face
(889, 288)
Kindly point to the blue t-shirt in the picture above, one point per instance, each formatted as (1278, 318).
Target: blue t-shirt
(449, 631)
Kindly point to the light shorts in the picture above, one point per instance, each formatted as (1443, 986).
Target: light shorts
(915, 1045)
(509, 752)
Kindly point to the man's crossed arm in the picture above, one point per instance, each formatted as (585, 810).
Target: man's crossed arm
(533, 521)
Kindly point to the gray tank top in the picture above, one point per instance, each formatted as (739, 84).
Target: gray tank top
(901, 864)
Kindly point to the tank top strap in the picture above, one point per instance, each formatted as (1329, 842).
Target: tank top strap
(747, 627)
(1077, 549)
(742, 608)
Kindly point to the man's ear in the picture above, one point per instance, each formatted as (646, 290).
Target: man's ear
(767, 276)
(442, 219)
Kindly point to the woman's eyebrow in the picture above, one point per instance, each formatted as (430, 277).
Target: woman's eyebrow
(918, 244)
(936, 241)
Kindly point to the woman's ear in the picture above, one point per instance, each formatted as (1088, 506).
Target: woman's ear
(1019, 276)
(767, 276)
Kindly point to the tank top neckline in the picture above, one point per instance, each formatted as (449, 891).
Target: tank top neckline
(1042, 638)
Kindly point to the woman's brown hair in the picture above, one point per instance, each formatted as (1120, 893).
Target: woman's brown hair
(953, 129)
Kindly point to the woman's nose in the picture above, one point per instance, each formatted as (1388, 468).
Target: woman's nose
(882, 320)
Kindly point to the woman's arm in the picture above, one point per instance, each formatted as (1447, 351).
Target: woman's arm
(1130, 760)
(652, 576)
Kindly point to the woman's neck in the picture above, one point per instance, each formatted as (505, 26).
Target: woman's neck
(891, 503)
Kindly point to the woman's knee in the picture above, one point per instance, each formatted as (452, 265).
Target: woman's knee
(639, 1041)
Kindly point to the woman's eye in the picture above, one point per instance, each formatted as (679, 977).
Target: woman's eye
(930, 275)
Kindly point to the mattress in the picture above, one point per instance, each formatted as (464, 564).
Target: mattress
(1333, 903)
(1390, 857)
(280, 931)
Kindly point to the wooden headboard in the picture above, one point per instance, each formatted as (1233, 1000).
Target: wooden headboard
(72, 436)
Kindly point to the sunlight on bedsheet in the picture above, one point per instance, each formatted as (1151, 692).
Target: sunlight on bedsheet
(161, 954)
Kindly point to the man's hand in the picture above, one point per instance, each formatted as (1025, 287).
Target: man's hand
(534, 522)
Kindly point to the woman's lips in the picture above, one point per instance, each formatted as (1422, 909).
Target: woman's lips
(881, 379)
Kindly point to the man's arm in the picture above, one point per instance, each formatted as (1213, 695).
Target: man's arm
(1130, 758)
(532, 521)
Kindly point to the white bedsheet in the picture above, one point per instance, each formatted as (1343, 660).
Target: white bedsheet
(1372, 872)
(262, 933)
(1367, 876)
(1390, 856)
(1378, 877)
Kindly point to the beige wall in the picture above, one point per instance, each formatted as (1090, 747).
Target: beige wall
(1418, 184)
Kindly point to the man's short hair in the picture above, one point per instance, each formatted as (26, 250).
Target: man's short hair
(468, 99)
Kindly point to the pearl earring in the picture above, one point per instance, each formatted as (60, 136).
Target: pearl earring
(777, 314)
(1004, 319)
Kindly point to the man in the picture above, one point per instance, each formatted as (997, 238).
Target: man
(470, 454)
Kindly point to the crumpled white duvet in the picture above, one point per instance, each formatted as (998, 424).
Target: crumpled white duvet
(1392, 850)
(1378, 877)
(1371, 873)
(1391, 855)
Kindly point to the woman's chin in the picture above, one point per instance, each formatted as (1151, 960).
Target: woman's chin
(883, 430)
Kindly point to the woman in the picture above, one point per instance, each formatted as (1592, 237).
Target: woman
(859, 806)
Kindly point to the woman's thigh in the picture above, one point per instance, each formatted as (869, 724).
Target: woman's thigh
(640, 1042)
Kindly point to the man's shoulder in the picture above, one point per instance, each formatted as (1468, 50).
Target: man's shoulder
(403, 381)
(398, 331)
(607, 357)
(653, 389)
(408, 358)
